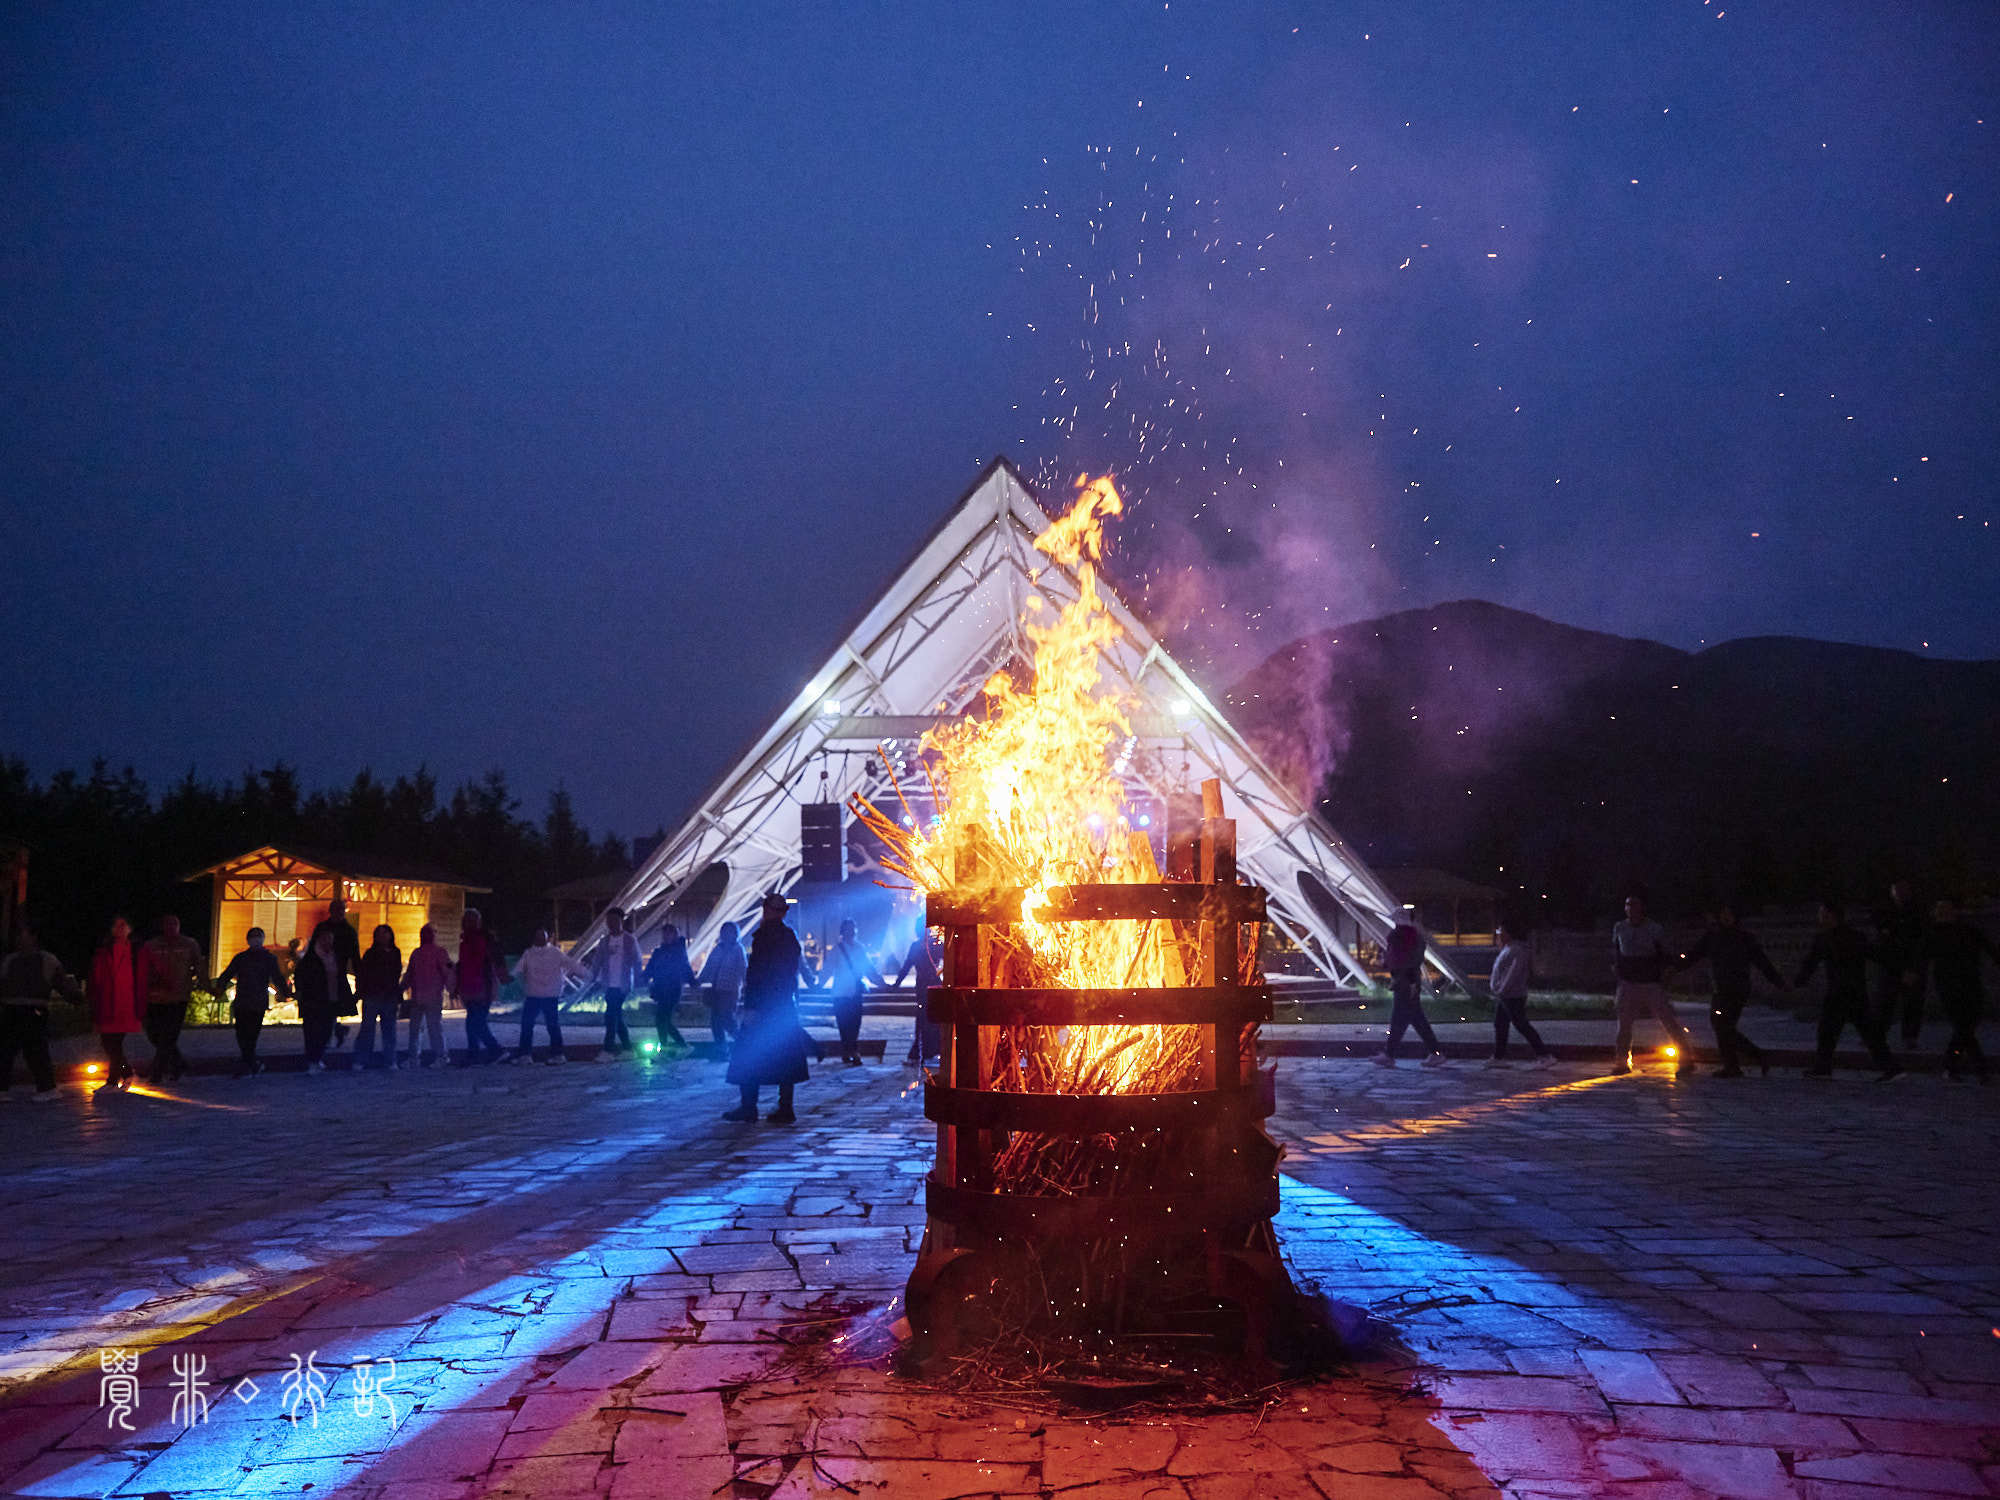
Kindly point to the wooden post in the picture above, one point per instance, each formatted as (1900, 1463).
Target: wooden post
(1220, 959)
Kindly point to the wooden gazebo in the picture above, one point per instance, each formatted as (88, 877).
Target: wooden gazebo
(286, 890)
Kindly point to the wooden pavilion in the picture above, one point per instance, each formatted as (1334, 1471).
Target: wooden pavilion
(286, 890)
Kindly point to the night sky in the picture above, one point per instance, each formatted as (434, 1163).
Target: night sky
(547, 387)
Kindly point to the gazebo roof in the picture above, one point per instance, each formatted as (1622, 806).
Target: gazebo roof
(347, 863)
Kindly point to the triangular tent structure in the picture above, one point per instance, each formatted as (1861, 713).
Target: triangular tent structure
(922, 653)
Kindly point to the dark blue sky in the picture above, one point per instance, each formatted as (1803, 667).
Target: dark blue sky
(547, 387)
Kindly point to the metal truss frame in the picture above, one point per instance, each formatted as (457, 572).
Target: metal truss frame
(948, 622)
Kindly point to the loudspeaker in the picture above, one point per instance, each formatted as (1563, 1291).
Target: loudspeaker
(822, 853)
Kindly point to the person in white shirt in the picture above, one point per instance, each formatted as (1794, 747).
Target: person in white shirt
(541, 971)
(617, 971)
(1509, 984)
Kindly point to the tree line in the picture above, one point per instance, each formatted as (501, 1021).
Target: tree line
(102, 844)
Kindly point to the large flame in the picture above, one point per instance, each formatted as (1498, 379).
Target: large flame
(1029, 797)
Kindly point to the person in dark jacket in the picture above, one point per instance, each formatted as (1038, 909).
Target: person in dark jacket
(771, 1047)
(1900, 938)
(29, 979)
(379, 978)
(923, 962)
(667, 973)
(313, 985)
(1403, 954)
(849, 971)
(1845, 954)
(346, 963)
(1732, 951)
(255, 972)
(1953, 948)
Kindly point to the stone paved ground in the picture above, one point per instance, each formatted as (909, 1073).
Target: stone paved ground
(1629, 1287)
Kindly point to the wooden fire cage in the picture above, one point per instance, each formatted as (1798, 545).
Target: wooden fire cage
(1201, 1226)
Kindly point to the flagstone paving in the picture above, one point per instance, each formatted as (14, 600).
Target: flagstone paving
(1629, 1287)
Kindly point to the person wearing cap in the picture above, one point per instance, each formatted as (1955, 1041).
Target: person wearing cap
(771, 1046)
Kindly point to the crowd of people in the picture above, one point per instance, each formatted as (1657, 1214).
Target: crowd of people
(134, 986)
(1910, 952)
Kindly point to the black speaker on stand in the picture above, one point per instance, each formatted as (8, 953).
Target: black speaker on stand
(822, 851)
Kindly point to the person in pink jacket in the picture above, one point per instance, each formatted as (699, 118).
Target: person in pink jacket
(429, 975)
(117, 1001)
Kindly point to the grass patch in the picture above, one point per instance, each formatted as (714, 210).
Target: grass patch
(1551, 1005)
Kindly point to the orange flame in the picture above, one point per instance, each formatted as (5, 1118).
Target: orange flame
(1028, 799)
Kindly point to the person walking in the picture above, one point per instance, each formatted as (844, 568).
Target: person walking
(116, 991)
(1509, 984)
(29, 979)
(173, 973)
(1732, 951)
(255, 972)
(425, 982)
(1953, 948)
(850, 972)
(1901, 950)
(771, 1047)
(1844, 953)
(668, 973)
(1403, 955)
(617, 970)
(542, 970)
(1640, 966)
(313, 987)
(346, 963)
(380, 981)
(722, 976)
(923, 962)
(481, 972)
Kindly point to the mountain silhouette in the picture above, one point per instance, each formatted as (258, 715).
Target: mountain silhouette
(1563, 765)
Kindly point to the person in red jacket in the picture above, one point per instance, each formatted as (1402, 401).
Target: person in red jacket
(117, 1001)
(481, 972)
